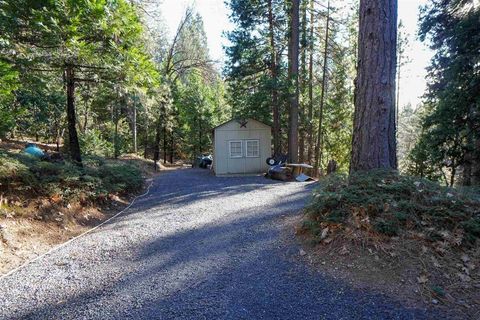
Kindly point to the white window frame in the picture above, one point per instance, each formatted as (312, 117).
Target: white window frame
(230, 149)
(258, 148)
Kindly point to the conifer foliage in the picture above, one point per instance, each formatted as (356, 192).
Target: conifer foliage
(264, 83)
(449, 146)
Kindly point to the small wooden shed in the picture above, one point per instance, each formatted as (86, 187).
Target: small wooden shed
(241, 146)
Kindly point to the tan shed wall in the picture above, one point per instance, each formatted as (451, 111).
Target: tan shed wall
(223, 164)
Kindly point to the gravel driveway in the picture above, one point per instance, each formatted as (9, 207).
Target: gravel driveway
(197, 247)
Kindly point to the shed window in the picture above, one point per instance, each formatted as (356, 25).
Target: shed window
(236, 149)
(252, 147)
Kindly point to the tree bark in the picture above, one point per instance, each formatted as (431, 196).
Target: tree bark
(115, 124)
(156, 147)
(164, 144)
(319, 146)
(145, 150)
(374, 143)
(115, 139)
(74, 145)
(172, 147)
(277, 148)
(86, 114)
(303, 85)
(397, 99)
(310, 87)
(453, 172)
(134, 125)
(293, 48)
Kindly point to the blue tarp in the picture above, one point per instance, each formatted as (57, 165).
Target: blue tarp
(34, 151)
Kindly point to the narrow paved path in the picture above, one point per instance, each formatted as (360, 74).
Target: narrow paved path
(197, 247)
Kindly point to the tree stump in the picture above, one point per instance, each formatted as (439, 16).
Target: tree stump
(332, 166)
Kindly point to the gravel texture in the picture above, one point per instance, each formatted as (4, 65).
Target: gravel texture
(197, 247)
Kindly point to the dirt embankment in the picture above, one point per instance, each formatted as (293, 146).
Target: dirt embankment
(33, 221)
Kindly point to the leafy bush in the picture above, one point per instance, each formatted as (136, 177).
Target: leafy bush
(120, 177)
(14, 169)
(92, 143)
(392, 204)
(98, 177)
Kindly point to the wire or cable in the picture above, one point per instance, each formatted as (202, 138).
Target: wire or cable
(75, 238)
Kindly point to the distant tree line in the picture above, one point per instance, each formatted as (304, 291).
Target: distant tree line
(103, 77)
(444, 143)
(292, 64)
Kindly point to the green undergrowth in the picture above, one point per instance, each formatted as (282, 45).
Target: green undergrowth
(25, 176)
(391, 205)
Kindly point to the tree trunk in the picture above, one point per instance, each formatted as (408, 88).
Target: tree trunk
(57, 141)
(277, 148)
(15, 106)
(164, 144)
(134, 125)
(303, 85)
(319, 146)
(115, 139)
(453, 172)
(293, 48)
(200, 135)
(74, 145)
(172, 147)
(397, 99)
(156, 147)
(374, 143)
(310, 86)
(145, 150)
(115, 123)
(85, 118)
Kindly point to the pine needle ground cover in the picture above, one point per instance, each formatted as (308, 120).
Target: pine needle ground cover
(424, 237)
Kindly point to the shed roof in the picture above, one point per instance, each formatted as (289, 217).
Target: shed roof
(240, 119)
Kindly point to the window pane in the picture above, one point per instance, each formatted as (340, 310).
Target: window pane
(252, 148)
(235, 149)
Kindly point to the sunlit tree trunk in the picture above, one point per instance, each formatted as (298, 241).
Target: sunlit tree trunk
(310, 86)
(303, 85)
(293, 48)
(277, 148)
(319, 146)
(156, 146)
(146, 146)
(134, 126)
(374, 143)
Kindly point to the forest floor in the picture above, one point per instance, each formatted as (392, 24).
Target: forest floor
(34, 221)
(403, 270)
(430, 256)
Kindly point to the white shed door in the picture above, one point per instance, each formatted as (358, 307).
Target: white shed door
(235, 156)
(243, 156)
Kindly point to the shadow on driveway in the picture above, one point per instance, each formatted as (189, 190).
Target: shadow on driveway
(233, 265)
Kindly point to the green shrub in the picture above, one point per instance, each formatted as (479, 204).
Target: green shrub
(395, 203)
(121, 177)
(14, 168)
(92, 143)
(21, 173)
